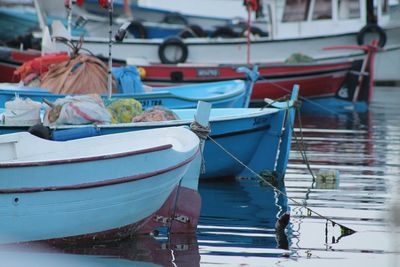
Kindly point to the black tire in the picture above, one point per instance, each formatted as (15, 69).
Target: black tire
(254, 31)
(40, 131)
(192, 31)
(137, 29)
(173, 41)
(372, 28)
(175, 18)
(224, 32)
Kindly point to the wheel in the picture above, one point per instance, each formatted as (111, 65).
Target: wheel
(374, 29)
(172, 51)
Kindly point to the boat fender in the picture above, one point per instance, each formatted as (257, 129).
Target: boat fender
(40, 131)
(137, 29)
(191, 31)
(173, 42)
(374, 29)
(175, 18)
(224, 32)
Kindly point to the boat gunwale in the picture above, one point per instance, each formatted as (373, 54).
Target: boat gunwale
(103, 183)
(256, 112)
(85, 159)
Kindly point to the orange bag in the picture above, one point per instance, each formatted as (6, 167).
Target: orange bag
(39, 65)
(83, 74)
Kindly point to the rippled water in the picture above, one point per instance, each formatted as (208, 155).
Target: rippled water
(238, 219)
(364, 150)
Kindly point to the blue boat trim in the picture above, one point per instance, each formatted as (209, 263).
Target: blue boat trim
(263, 128)
(101, 183)
(79, 160)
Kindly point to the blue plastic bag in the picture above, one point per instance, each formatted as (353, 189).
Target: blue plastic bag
(128, 80)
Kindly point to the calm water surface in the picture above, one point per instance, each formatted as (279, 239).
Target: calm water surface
(238, 220)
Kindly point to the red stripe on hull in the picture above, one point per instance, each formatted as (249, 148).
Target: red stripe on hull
(220, 72)
(311, 87)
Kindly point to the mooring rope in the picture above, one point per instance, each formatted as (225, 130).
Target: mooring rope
(203, 133)
(300, 144)
(346, 229)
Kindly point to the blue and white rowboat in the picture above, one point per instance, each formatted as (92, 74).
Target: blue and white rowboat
(90, 188)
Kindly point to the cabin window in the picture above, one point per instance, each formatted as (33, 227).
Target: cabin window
(349, 9)
(322, 9)
(295, 10)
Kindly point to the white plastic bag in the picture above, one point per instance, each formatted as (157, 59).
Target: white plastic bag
(82, 109)
(21, 112)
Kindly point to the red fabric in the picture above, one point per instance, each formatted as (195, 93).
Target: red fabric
(78, 2)
(103, 3)
(40, 65)
(252, 4)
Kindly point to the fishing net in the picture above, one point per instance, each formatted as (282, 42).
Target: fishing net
(123, 110)
(156, 113)
(298, 58)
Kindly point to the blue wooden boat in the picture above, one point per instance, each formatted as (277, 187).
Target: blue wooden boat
(102, 187)
(225, 94)
(260, 138)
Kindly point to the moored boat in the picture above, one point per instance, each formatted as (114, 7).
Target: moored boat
(264, 135)
(225, 94)
(330, 85)
(103, 187)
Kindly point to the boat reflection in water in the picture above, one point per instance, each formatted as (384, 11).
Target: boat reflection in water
(240, 218)
(38, 256)
(140, 251)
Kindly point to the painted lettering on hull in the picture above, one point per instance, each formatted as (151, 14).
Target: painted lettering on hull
(207, 73)
(151, 102)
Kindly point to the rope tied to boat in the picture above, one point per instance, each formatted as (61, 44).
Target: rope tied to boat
(203, 133)
(344, 229)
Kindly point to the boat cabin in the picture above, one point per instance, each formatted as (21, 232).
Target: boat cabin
(307, 18)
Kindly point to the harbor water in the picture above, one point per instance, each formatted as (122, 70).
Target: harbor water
(354, 160)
